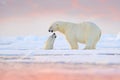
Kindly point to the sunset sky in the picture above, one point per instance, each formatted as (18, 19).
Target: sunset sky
(33, 17)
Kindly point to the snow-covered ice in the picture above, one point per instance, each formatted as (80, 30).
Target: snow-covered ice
(30, 49)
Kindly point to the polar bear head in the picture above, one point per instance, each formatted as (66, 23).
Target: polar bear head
(50, 42)
(54, 27)
(57, 26)
(53, 36)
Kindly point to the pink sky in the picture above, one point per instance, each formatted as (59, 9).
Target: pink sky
(35, 16)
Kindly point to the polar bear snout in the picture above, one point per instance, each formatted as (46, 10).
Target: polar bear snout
(50, 29)
(54, 35)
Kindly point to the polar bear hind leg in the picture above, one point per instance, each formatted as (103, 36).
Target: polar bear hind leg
(91, 44)
(73, 43)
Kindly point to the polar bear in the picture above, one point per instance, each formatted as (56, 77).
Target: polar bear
(86, 32)
(50, 42)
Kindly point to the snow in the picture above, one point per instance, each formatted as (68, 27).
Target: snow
(118, 36)
(30, 49)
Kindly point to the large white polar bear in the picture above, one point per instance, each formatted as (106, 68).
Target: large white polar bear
(50, 42)
(86, 32)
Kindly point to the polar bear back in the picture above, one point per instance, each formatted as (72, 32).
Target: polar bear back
(82, 31)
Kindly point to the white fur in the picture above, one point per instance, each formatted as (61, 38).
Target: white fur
(87, 33)
(50, 42)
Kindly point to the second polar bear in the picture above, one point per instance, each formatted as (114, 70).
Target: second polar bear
(86, 32)
(50, 42)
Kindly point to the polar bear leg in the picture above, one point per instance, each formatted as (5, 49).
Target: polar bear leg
(72, 43)
(89, 47)
(91, 44)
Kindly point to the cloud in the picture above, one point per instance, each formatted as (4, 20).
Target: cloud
(103, 9)
(21, 7)
(40, 13)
